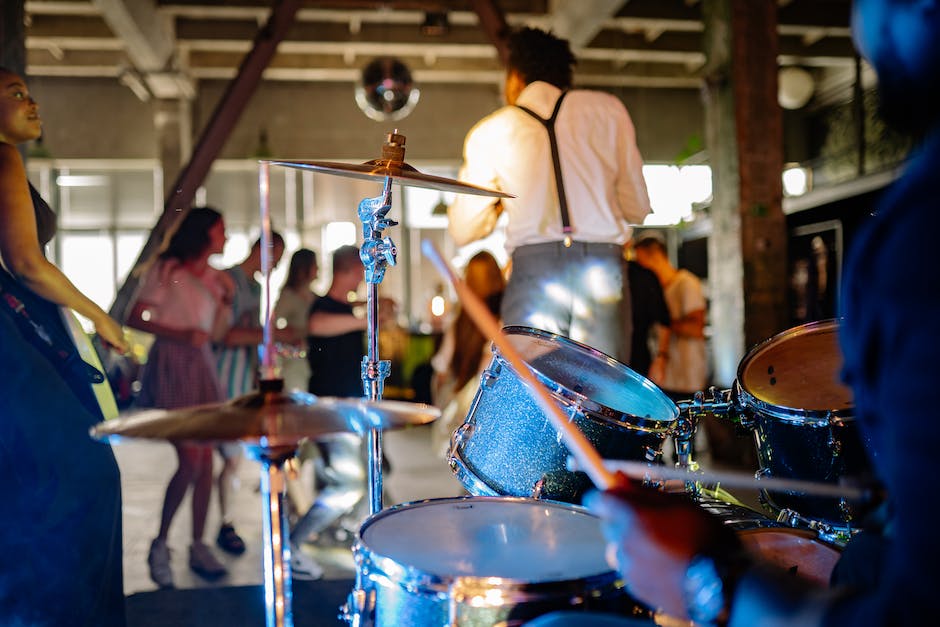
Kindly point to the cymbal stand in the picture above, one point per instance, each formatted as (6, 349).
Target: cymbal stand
(275, 534)
(376, 253)
(275, 526)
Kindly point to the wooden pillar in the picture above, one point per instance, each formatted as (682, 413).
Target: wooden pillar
(173, 125)
(13, 36)
(747, 249)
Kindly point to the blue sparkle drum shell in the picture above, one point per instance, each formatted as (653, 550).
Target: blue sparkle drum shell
(507, 446)
(803, 417)
(484, 561)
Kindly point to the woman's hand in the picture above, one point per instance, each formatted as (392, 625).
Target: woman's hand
(112, 334)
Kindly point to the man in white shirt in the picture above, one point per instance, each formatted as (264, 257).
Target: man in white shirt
(565, 234)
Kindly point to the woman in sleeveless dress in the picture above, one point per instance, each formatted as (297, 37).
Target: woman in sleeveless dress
(60, 533)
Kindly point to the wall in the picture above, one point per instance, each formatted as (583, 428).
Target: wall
(99, 118)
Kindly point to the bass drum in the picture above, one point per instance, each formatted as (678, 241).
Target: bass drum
(803, 418)
(471, 561)
(507, 446)
(800, 552)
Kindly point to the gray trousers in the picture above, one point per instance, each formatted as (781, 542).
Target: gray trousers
(579, 292)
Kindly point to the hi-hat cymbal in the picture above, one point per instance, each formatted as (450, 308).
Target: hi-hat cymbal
(380, 169)
(270, 419)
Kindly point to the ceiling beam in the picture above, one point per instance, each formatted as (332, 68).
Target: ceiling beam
(579, 22)
(148, 40)
(147, 36)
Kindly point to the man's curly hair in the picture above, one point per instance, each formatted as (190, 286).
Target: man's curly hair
(540, 56)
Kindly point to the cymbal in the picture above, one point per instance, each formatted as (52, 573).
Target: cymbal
(380, 169)
(270, 419)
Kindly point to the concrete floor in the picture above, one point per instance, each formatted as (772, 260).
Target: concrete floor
(146, 467)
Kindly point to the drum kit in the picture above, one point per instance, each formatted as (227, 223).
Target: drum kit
(520, 546)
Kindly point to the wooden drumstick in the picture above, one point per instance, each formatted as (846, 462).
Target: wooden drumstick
(728, 479)
(588, 457)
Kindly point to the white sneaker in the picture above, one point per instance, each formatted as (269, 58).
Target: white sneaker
(302, 566)
(159, 562)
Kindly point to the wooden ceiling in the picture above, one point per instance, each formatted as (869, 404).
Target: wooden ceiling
(162, 48)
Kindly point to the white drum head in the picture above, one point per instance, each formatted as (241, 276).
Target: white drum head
(518, 539)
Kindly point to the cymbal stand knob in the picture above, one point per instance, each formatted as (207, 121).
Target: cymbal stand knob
(393, 150)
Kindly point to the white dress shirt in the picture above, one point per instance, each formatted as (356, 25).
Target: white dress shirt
(601, 166)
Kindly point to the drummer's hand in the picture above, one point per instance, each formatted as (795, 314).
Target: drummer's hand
(652, 536)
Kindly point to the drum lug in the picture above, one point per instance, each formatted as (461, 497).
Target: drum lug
(461, 434)
(537, 488)
(489, 375)
(834, 443)
(359, 609)
(653, 455)
(845, 510)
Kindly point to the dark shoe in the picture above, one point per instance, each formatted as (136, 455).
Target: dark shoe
(229, 541)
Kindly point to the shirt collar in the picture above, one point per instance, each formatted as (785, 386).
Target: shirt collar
(540, 97)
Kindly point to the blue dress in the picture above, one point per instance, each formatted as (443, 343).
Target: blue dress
(60, 526)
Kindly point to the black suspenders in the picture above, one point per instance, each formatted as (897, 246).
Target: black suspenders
(549, 125)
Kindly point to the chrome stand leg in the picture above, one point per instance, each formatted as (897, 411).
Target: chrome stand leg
(275, 543)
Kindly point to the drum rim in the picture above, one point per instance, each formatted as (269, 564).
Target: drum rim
(795, 415)
(586, 405)
(416, 580)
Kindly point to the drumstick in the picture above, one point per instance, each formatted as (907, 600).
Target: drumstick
(642, 470)
(588, 457)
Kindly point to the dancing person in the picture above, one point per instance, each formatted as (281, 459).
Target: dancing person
(60, 533)
(335, 346)
(236, 360)
(889, 342)
(186, 304)
(292, 312)
(464, 351)
(575, 198)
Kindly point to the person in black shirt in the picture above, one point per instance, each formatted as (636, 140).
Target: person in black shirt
(648, 308)
(337, 341)
(335, 348)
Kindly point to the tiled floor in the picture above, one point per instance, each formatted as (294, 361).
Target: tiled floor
(146, 467)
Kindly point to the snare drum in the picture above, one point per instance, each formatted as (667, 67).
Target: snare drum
(481, 561)
(508, 446)
(802, 417)
(800, 552)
